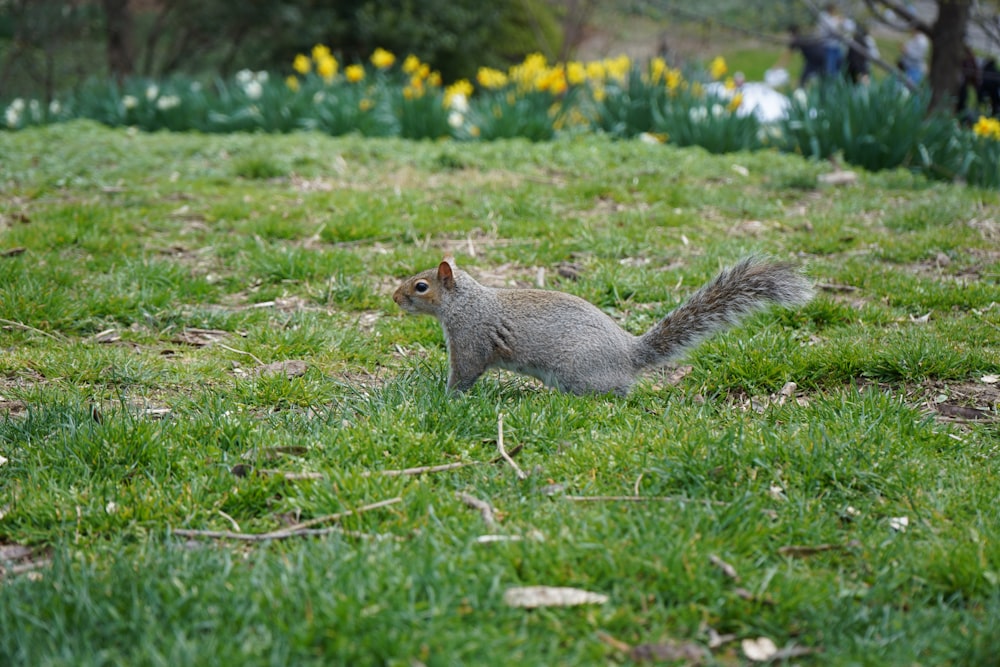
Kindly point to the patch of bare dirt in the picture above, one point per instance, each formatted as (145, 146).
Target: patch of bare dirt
(963, 401)
(17, 559)
(942, 267)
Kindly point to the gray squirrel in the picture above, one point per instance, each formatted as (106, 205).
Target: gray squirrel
(570, 344)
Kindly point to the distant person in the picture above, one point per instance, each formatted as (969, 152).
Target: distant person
(813, 54)
(860, 54)
(829, 27)
(989, 87)
(913, 58)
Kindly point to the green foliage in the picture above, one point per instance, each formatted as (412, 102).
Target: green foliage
(883, 126)
(708, 121)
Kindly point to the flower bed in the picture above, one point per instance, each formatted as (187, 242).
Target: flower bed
(880, 126)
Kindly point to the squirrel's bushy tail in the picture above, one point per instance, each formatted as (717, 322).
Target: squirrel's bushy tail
(746, 288)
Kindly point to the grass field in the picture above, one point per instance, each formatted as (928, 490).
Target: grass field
(197, 335)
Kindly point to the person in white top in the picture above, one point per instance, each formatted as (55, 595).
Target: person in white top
(913, 58)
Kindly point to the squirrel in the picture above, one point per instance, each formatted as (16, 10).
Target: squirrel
(570, 344)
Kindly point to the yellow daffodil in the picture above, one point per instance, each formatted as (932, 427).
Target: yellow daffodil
(411, 64)
(491, 79)
(674, 79)
(319, 52)
(365, 104)
(382, 59)
(717, 68)
(576, 73)
(552, 80)
(461, 87)
(734, 102)
(434, 79)
(618, 68)
(987, 127)
(596, 70)
(302, 64)
(354, 73)
(326, 67)
(293, 83)
(657, 69)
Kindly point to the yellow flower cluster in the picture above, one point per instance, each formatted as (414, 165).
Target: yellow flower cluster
(535, 73)
(490, 78)
(659, 72)
(326, 65)
(461, 88)
(987, 127)
(421, 77)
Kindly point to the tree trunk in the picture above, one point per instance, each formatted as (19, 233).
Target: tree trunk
(947, 39)
(118, 21)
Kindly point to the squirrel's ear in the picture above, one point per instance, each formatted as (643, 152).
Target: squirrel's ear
(446, 274)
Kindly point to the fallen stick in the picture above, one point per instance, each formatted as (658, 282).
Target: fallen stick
(444, 467)
(637, 499)
(485, 509)
(420, 470)
(297, 530)
(503, 452)
(630, 499)
(25, 327)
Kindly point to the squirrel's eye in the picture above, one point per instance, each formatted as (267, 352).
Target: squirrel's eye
(421, 286)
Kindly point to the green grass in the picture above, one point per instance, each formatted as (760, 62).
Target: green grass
(289, 247)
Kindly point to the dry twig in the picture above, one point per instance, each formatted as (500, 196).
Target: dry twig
(249, 354)
(420, 470)
(298, 530)
(485, 509)
(25, 327)
(503, 452)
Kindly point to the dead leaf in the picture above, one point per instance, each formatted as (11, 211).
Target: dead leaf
(726, 568)
(12, 252)
(761, 649)
(199, 337)
(530, 597)
(678, 374)
(899, 523)
(990, 379)
(107, 336)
